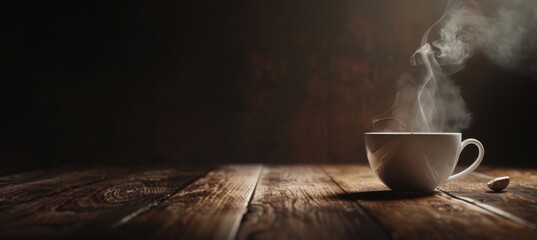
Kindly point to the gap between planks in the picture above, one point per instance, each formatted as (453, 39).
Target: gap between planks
(476, 183)
(235, 230)
(443, 212)
(365, 210)
(38, 217)
(493, 210)
(209, 208)
(156, 202)
(301, 201)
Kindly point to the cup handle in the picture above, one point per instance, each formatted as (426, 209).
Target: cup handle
(475, 164)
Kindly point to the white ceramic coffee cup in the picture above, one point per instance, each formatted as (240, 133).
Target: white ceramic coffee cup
(417, 161)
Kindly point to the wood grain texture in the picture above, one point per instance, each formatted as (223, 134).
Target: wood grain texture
(210, 208)
(518, 201)
(27, 176)
(259, 202)
(42, 177)
(92, 209)
(416, 216)
(302, 202)
(21, 188)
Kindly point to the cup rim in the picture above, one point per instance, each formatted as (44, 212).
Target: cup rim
(413, 133)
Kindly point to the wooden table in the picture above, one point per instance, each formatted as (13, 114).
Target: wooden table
(260, 202)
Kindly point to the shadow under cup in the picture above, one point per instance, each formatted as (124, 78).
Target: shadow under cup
(416, 162)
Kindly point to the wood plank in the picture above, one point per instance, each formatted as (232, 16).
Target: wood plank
(7, 179)
(517, 202)
(26, 187)
(34, 175)
(415, 216)
(301, 202)
(93, 209)
(520, 176)
(210, 208)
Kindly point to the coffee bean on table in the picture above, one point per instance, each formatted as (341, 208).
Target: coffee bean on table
(498, 184)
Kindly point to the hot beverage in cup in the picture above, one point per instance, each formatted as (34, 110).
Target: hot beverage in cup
(420, 161)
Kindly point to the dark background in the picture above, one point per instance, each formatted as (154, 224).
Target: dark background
(198, 82)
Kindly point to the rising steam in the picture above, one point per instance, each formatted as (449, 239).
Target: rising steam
(433, 103)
